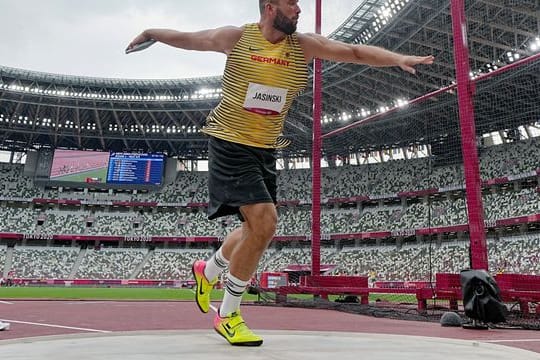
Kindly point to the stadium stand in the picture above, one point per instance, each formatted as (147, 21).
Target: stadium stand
(170, 264)
(63, 222)
(293, 220)
(110, 263)
(513, 254)
(373, 180)
(43, 262)
(444, 209)
(13, 183)
(18, 219)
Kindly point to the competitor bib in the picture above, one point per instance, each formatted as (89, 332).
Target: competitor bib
(265, 100)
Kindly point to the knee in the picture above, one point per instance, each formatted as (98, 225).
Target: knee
(270, 225)
(264, 227)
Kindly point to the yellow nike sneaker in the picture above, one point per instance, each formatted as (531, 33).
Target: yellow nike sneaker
(235, 331)
(204, 287)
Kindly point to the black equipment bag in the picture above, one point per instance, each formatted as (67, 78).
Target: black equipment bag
(481, 297)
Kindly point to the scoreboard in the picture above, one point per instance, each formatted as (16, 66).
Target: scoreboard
(135, 168)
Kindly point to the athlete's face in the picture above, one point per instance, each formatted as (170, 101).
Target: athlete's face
(287, 14)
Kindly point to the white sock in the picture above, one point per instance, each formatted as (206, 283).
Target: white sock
(233, 295)
(215, 265)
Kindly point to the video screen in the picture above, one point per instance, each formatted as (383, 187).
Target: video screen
(135, 168)
(79, 166)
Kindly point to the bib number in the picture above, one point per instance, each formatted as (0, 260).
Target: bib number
(265, 100)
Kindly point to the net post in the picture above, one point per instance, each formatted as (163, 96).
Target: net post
(475, 213)
(316, 156)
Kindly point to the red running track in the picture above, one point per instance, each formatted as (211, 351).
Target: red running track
(42, 318)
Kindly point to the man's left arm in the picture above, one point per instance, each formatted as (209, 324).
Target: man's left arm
(317, 46)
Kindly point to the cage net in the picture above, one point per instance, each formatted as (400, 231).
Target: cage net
(394, 214)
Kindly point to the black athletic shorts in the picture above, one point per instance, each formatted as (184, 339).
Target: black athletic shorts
(239, 175)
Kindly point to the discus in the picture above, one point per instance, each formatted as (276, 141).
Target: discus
(144, 45)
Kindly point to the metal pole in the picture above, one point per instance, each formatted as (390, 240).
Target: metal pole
(478, 246)
(316, 156)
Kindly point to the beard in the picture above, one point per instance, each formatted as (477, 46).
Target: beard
(284, 24)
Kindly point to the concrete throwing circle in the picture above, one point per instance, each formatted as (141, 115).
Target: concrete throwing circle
(169, 345)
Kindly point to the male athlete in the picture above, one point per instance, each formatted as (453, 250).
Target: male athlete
(266, 69)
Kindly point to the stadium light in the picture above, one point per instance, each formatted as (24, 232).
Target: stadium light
(201, 94)
(513, 56)
(535, 44)
(401, 102)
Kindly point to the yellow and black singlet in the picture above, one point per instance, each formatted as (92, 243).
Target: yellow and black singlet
(260, 82)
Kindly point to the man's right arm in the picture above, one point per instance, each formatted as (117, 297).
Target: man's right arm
(222, 39)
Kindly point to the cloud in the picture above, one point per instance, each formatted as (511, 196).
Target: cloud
(89, 37)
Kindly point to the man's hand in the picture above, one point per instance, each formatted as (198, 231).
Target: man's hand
(138, 40)
(408, 62)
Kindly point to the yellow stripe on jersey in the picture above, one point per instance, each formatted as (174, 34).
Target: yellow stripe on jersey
(260, 82)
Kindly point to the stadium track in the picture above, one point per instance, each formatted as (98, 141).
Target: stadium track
(30, 318)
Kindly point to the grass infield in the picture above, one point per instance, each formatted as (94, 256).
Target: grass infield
(164, 294)
(101, 293)
(81, 177)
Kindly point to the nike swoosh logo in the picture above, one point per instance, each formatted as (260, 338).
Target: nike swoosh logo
(254, 49)
(199, 287)
(230, 333)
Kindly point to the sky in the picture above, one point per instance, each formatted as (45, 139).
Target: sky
(88, 38)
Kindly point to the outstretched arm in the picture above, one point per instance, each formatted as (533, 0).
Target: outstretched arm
(317, 46)
(220, 40)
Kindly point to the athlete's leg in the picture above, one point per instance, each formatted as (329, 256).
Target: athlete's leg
(245, 252)
(206, 272)
(257, 232)
(220, 260)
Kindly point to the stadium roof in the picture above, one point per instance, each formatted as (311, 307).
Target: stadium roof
(39, 109)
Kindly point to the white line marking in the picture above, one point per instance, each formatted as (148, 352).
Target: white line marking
(509, 340)
(54, 326)
(6, 302)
